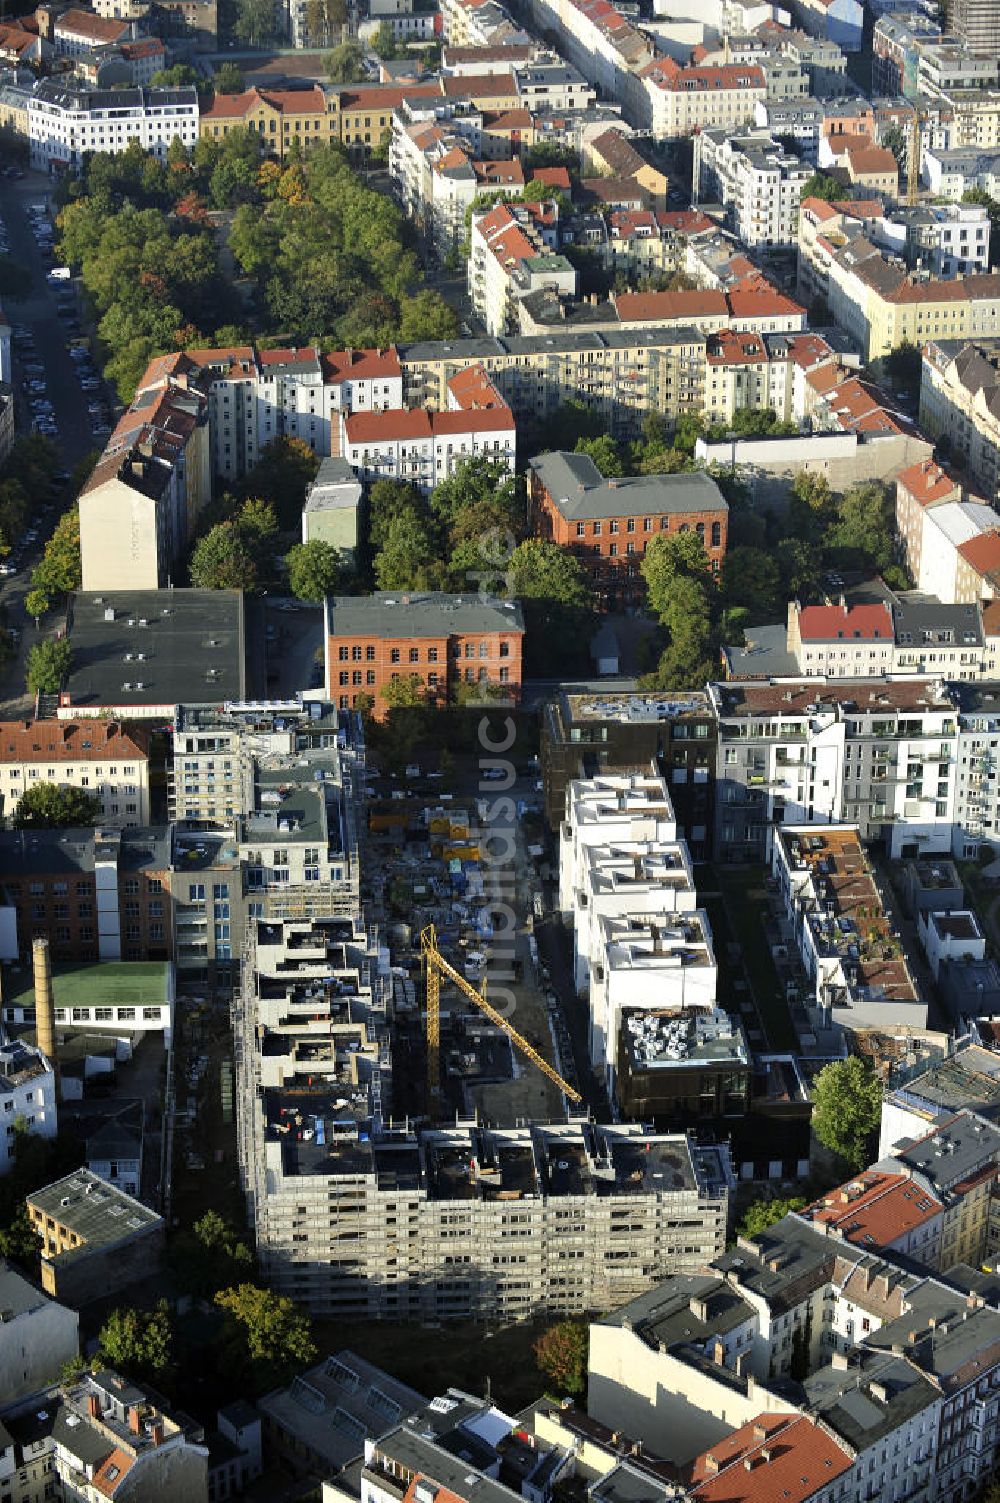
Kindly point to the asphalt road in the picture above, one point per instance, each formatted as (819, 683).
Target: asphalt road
(75, 437)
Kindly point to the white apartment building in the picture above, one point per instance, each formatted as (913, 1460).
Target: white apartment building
(27, 1096)
(879, 754)
(609, 808)
(426, 447)
(64, 123)
(604, 45)
(757, 179)
(960, 403)
(683, 101)
(99, 756)
(510, 256)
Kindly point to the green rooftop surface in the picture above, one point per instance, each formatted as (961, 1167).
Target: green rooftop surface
(121, 983)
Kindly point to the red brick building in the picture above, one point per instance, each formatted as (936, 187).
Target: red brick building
(444, 640)
(607, 523)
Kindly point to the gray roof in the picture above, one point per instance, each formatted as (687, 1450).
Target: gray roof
(580, 491)
(416, 1454)
(336, 486)
(685, 1308)
(99, 1213)
(929, 623)
(846, 1402)
(17, 1294)
(401, 613)
(193, 641)
(952, 1151)
(969, 1077)
(803, 1259)
(764, 654)
(339, 1404)
(568, 340)
(71, 851)
(70, 98)
(942, 1336)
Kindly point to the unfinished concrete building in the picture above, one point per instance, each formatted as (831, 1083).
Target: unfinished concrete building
(360, 1217)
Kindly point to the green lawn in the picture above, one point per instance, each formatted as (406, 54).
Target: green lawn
(746, 908)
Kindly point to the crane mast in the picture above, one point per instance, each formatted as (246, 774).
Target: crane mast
(435, 966)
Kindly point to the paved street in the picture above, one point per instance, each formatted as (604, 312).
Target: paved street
(75, 437)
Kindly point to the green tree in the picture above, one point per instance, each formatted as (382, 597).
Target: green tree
(266, 1337)
(847, 1107)
(314, 570)
(386, 499)
(18, 1239)
(36, 603)
(671, 556)
(48, 666)
(384, 43)
(569, 423)
(904, 366)
(223, 560)
(210, 1256)
(764, 1213)
(426, 315)
(472, 482)
(254, 21)
(558, 604)
(689, 660)
(179, 76)
(59, 570)
(862, 534)
(407, 558)
(561, 1354)
(822, 185)
(229, 79)
(138, 1343)
(404, 692)
(47, 806)
(282, 475)
(345, 64)
(751, 577)
(605, 453)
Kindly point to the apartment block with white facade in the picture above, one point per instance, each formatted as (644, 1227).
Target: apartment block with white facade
(27, 1096)
(610, 807)
(879, 754)
(65, 123)
(756, 178)
(101, 757)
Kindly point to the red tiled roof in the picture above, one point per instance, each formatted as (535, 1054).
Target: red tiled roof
(285, 101)
(761, 301)
(71, 741)
(552, 177)
(359, 365)
(991, 626)
(728, 347)
(477, 420)
(983, 553)
(472, 389)
(666, 74)
(926, 482)
(478, 85)
(831, 623)
(395, 425)
(687, 303)
(84, 23)
(776, 1458)
(387, 96)
(874, 1209)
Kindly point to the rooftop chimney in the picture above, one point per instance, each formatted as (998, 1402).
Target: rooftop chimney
(134, 1420)
(93, 1407)
(45, 1018)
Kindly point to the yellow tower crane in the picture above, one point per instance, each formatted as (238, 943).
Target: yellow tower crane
(435, 966)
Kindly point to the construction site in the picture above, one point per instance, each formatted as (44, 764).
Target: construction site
(413, 1139)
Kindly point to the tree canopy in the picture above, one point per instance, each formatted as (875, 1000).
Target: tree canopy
(47, 806)
(266, 1338)
(314, 570)
(48, 665)
(764, 1213)
(847, 1107)
(138, 1343)
(561, 1354)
